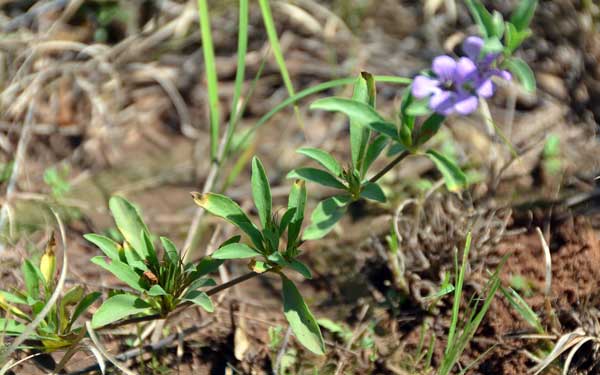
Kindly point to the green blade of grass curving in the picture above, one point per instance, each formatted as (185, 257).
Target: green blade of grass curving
(313, 90)
(210, 70)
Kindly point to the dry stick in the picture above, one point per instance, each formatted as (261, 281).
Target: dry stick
(388, 167)
(210, 292)
(132, 353)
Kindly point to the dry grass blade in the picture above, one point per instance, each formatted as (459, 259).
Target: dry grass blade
(564, 343)
(548, 263)
(94, 338)
(11, 364)
(51, 302)
(574, 350)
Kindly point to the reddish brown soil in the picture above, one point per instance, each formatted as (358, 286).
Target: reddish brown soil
(575, 251)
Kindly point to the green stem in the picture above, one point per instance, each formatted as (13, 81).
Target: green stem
(210, 292)
(390, 165)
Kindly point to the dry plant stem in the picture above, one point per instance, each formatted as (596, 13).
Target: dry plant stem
(210, 292)
(388, 167)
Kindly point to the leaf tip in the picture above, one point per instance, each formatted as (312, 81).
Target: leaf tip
(199, 199)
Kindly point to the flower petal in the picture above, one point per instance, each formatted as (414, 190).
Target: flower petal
(466, 104)
(465, 69)
(424, 86)
(472, 47)
(444, 67)
(442, 102)
(485, 88)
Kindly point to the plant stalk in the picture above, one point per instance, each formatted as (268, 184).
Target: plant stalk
(388, 167)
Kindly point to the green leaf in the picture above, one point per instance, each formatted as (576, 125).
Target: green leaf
(156, 290)
(152, 259)
(521, 17)
(301, 268)
(11, 327)
(318, 176)
(522, 71)
(487, 23)
(373, 152)
(417, 107)
(83, 305)
(322, 157)
(357, 111)
(364, 91)
(118, 307)
(129, 223)
(171, 252)
(207, 265)
(199, 298)
(30, 276)
(261, 192)
(109, 247)
(429, 128)
(453, 176)
(297, 201)
(325, 216)
(301, 320)
(121, 270)
(202, 282)
(492, 45)
(513, 38)
(226, 208)
(12, 298)
(371, 190)
(235, 251)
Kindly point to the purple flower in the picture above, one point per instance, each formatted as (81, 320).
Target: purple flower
(458, 83)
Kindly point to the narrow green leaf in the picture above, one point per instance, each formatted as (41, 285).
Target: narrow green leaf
(429, 128)
(30, 276)
(207, 265)
(318, 176)
(118, 307)
(211, 76)
(11, 327)
(522, 16)
(364, 91)
(235, 251)
(109, 247)
(454, 177)
(418, 107)
(202, 282)
(227, 209)
(297, 201)
(301, 268)
(286, 219)
(322, 157)
(372, 190)
(157, 290)
(199, 298)
(12, 298)
(121, 271)
(325, 216)
(513, 38)
(522, 71)
(483, 18)
(152, 258)
(170, 250)
(129, 223)
(373, 152)
(83, 305)
(357, 111)
(261, 192)
(301, 320)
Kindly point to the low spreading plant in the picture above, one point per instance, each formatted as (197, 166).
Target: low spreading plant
(161, 280)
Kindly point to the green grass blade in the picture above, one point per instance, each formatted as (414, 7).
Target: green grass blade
(211, 76)
(240, 73)
(458, 293)
(265, 9)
